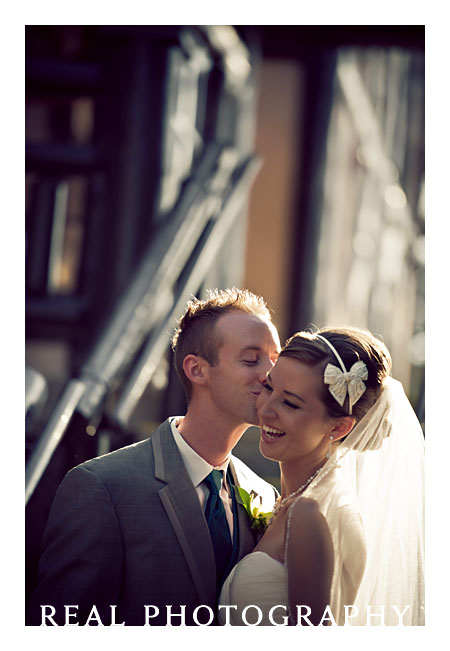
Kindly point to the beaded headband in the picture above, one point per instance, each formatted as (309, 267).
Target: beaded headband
(342, 381)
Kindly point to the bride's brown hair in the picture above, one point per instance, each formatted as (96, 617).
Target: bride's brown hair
(352, 344)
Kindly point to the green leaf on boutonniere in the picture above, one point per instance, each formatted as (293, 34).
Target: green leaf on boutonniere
(259, 519)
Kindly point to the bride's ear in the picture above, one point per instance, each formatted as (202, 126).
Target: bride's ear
(195, 368)
(342, 426)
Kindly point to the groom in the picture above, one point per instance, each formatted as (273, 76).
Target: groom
(148, 533)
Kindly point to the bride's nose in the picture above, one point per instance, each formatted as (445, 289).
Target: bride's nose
(264, 404)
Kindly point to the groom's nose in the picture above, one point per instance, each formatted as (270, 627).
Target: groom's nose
(264, 368)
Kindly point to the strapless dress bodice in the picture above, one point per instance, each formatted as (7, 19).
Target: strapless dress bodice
(257, 586)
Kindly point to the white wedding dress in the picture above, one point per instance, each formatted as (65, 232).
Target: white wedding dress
(258, 580)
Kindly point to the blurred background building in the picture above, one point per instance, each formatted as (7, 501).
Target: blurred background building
(165, 160)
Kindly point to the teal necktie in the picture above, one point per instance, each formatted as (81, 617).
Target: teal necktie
(217, 523)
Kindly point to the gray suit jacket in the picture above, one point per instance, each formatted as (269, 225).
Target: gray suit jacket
(127, 530)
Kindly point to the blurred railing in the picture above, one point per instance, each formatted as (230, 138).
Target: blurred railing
(176, 262)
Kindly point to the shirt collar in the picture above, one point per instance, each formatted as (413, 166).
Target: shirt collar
(196, 466)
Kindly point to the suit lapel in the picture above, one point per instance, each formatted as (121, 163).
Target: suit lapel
(185, 514)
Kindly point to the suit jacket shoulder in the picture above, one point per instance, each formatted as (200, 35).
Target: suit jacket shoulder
(139, 463)
(132, 459)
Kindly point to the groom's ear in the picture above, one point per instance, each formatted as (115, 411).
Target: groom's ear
(194, 367)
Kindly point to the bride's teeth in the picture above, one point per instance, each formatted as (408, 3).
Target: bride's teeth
(271, 432)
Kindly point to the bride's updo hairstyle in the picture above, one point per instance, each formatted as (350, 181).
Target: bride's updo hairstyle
(352, 344)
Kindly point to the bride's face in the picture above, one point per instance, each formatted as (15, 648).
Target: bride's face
(292, 417)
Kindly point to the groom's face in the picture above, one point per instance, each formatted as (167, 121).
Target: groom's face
(249, 349)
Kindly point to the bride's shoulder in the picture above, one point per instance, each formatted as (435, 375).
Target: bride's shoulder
(304, 507)
(308, 538)
(340, 513)
(305, 516)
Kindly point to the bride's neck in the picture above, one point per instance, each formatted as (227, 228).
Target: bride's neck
(295, 474)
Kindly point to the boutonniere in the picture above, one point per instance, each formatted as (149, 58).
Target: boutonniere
(259, 519)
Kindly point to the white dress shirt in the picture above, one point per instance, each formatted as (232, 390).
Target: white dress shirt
(198, 469)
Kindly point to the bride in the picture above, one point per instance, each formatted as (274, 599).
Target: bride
(345, 541)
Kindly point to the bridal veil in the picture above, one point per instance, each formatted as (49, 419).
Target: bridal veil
(381, 463)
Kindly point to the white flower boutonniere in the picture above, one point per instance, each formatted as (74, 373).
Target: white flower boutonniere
(259, 519)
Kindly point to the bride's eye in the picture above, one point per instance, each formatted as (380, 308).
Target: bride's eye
(267, 387)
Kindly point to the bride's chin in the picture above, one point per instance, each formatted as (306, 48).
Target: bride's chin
(266, 453)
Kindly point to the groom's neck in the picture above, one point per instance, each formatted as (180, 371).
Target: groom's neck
(211, 439)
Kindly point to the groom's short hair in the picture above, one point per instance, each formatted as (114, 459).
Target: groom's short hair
(196, 333)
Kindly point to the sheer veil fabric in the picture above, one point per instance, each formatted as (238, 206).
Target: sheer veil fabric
(371, 492)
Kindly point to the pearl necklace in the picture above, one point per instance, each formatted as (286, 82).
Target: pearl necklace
(282, 501)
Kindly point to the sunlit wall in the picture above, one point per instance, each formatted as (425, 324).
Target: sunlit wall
(362, 225)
